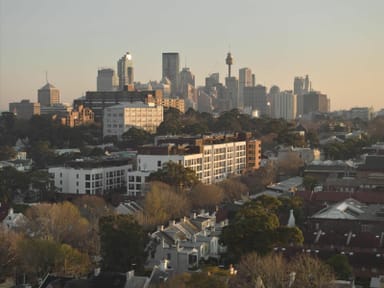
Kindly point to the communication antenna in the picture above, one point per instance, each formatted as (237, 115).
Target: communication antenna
(46, 76)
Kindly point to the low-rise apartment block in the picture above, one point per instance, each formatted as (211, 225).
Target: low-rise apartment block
(91, 177)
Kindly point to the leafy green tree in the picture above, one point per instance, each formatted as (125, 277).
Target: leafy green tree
(256, 228)
(123, 243)
(135, 137)
(41, 154)
(11, 183)
(176, 175)
(340, 266)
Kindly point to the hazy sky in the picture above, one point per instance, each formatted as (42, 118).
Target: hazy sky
(338, 43)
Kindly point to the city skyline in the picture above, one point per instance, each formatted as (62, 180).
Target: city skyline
(338, 44)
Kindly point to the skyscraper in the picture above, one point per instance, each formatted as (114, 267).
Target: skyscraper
(107, 80)
(301, 86)
(315, 102)
(255, 98)
(187, 84)
(245, 80)
(125, 71)
(284, 105)
(171, 70)
(48, 95)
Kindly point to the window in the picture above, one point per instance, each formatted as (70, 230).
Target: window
(159, 163)
(87, 177)
(131, 179)
(138, 178)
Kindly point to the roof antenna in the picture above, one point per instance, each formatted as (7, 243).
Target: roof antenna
(46, 76)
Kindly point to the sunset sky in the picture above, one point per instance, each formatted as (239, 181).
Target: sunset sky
(339, 44)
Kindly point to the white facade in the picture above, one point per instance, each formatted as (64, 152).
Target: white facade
(215, 164)
(120, 118)
(91, 181)
(284, 105)
(137, 183)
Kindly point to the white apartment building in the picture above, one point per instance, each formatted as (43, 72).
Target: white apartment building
(119, 118)
(92, 178)
(215, 164)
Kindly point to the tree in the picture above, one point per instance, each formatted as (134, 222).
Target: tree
(7, 152)
(8, 252)
(135, 137)
(60, 222)
(206, 196)
(41, 154)
(93, 208)
(123, 243)
(257, 180)
(38, 256)
(340, 266)
(233, 189)
(11, 183)
(256, 228)
(176, 175)
(311, 272)
(161, 204)
(274, 271)
(290, 165)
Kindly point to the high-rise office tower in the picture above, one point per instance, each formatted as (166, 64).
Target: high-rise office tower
(298, 86)
(232, 85)
(306, 84)
(187, 84)
(48, 95)
(315, 102)
(211, 81)
(284, 105)
(171, 70)
(245, 80)
(301, 86)
(125, 71)
(255, 98)
(107, 80)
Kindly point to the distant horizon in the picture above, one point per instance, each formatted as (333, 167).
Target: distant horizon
(338, 44)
